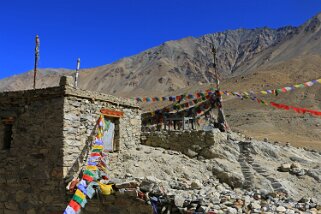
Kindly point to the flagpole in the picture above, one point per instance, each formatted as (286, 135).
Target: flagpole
(77, 73)
(36, 61)
(221, 116)
(215, 70)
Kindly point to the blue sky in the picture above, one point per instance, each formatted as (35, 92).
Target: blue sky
(103, 31)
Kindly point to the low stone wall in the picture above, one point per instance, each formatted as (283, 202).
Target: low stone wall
(190, 142)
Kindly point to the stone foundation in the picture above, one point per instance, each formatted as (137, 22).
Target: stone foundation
(191, 143)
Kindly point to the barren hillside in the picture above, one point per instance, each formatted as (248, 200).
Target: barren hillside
(248, 59)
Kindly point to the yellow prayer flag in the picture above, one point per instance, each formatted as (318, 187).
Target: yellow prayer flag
(92, 168)
(263, 92)
(319, 80)
(99, 135)
(98, 147)
(80, 194)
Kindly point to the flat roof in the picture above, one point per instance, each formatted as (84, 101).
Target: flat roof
(64, 90)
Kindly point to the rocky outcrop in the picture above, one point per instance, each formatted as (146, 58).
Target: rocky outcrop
(187, 185)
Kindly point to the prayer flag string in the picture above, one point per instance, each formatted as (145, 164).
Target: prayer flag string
(283, 106)
(94, 174)
(196, 106)
(212, 90)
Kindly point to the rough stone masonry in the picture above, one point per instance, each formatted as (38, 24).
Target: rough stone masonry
(44, 134)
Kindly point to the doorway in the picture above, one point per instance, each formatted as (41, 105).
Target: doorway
(111, 135)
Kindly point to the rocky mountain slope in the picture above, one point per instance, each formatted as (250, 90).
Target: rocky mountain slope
(46, 78)
(177, 64)
(247, 59)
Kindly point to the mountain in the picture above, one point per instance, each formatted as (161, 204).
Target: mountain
(45, 78)
(247, 59)
(177, 64)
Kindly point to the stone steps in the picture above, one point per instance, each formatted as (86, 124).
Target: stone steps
(276, 185)
(247, 163)
(260, 170)
(244, 160)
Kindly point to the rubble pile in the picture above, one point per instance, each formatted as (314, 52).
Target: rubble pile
(284, 179)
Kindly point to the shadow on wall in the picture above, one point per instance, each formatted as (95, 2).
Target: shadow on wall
(80, 160)
(31, 175)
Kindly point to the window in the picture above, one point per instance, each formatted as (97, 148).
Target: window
(6, 127)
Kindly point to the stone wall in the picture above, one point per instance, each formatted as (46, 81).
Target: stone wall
(50, 132)
(190, 142)
(31, 170)
(80, 117)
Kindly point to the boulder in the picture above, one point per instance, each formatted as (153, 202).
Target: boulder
(280, 209)
(212, 152)
(255, 205)
(131, 184)
(232, 179)
(238, 203)
(295, 165)
(298, 171)
(285, 167)
(304, 200)
(158, 190)
(147, 184)
(231, 210)
(196, 184)
(179, 200)
(190, 153)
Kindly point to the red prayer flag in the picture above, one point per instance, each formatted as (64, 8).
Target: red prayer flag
(298, 110)
(95, 154)
(280, 106)
(87, 178)
(73, 204)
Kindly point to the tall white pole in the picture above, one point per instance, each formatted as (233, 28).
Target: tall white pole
(36, 61)
(77, 73)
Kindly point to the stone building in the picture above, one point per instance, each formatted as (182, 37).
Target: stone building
(44, 135)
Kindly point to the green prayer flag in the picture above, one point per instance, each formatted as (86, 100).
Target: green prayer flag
(87, 172)
(96, 150)
(77, 199)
